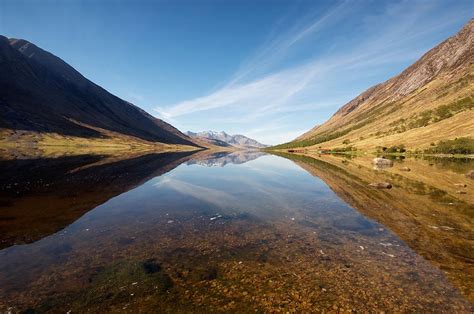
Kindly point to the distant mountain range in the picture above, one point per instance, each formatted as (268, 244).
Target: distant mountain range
(430, 101)
(223, 139)
(39, 92)
(220, 159)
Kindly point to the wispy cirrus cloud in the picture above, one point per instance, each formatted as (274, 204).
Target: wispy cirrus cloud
(290, 72)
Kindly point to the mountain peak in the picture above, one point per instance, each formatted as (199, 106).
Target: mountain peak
(223, 139)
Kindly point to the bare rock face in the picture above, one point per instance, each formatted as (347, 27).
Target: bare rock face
(447, 56)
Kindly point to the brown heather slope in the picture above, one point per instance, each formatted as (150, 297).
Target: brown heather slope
(431, 100)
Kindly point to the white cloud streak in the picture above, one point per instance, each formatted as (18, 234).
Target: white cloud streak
(291, 89)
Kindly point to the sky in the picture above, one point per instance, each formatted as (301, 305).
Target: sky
(270, 70)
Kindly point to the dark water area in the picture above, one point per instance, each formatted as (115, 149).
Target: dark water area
(235, 232)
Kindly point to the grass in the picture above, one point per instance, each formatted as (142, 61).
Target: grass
(27, 143)
(462, 145)
(439, 110)
(321, 138)
(430, 116)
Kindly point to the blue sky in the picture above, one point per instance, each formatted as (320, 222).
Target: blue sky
(270, 70)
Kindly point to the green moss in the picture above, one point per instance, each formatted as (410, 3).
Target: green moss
(119, 282)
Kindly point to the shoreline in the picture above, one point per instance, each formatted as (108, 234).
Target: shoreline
(369, 153)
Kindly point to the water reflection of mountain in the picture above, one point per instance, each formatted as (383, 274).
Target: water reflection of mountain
(38, 197)
(220, 159)
(424, 207)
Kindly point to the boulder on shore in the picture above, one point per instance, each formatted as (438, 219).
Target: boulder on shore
(381, 185)
(382, 162)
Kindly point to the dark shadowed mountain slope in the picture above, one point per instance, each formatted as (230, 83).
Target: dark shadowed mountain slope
(40, 92)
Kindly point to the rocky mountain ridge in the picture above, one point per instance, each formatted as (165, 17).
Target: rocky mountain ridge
(427, 102)
(225, 140)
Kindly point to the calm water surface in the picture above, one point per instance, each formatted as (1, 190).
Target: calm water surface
(235, 232)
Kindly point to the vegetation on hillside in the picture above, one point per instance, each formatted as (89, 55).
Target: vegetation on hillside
(392, 149)
(401, 125)
(320, 138)
(430, 116)
(462, 145)
(27, 143)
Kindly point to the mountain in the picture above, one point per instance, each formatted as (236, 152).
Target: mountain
(223, 139)
(430, 101)
(41, 93)
(220, 159)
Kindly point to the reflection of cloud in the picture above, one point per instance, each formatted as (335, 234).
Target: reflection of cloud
(213, 196)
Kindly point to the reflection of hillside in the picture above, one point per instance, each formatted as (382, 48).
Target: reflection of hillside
(220, 159)
(41, 196)
(423, 208)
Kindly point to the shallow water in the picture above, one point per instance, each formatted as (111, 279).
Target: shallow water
(234, 232)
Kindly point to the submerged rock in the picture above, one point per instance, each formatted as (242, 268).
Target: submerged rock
(209, 273)
(381, 185)
(405, 169)
(461, 192)
(470, 174)
(460, 185)
(150, 266)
